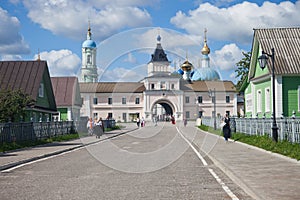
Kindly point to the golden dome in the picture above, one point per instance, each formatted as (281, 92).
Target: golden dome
(186, 66)
(205, 50)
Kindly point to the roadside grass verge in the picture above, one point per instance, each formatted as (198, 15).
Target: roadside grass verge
(18, 145)
(285, 148)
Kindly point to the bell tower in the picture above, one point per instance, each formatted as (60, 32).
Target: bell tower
(89, 68)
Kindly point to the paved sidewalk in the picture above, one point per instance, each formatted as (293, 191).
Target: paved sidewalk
(263, 175)
(20, 156)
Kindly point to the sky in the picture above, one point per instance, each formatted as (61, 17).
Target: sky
(125, 32)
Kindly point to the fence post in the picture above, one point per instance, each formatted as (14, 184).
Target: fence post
(293, 130)
(281, 128)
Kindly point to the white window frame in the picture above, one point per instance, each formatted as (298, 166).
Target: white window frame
(298, 97)
(124, 100)
(187, 99)
(41, 90)
(258, 101)
(268, 99)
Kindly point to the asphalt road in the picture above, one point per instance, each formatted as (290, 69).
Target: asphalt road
(154, 162)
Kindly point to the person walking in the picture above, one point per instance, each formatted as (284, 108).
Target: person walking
(226, 127)
(98, 128)
(184, 122)
(90, 126)
(138, 122)
(143, 122)
(155, 120)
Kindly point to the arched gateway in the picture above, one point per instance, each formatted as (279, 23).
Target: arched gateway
(162, 109)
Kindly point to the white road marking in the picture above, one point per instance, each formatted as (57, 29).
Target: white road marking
(39, 160)
(194, 149)
(225, 188)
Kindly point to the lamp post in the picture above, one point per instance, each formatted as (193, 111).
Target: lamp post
(262, 62)
(212, 94)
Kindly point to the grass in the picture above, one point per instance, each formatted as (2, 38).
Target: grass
(17, 145)
(285, 148)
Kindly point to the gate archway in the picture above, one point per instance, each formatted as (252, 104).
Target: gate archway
(163, 109)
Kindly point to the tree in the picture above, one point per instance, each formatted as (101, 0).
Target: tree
(13, 104)
(242, 69)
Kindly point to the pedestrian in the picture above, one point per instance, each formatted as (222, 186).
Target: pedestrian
(226, 127)
(155, 120)
(99, 128)
(143, 122)
(138, 122)
(173, 120)
(184, 122)
(90, 126)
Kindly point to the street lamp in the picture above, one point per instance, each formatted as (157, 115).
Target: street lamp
(262, 62)
(212, 94)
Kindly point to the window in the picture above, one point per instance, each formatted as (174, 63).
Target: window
(124, 117)
(137, 100)
(41, 90)
(267, 99)
(187, 99)
(172, 86)
(163, 85)
(89, 59)
(109, 100)
(124, 100)
(258, 100)
(187, 114)
(95, 100)
(227, 99)
(200, 99)
(95, 115)
(200, 114)
(110, 116)
(152, 86)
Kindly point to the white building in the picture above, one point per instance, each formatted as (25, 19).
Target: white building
(188, 93)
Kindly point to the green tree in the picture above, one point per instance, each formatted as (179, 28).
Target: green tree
(13, 104)
(242, 69)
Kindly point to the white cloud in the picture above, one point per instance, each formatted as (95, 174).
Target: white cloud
(11, 41)
(227, 57)
(120, 74)
(236, 23)
(11, 57)
(62, 62)
(130, 58)
(70, 17)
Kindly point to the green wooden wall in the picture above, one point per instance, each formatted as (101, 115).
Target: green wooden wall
(290, 95)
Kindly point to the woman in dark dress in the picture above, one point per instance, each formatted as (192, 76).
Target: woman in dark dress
(226, 127)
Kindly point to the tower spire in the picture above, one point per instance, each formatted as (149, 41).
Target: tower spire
(89, 33)
(205, 50)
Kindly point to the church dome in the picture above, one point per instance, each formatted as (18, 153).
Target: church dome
(205, 74)
(187, 66)
(89, 44)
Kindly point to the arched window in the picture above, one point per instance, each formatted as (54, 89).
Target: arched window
(89, 59)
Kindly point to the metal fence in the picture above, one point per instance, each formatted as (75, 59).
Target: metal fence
(288, 128)
(30, 131)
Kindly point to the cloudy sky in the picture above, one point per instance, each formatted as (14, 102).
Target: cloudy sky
(126, 31)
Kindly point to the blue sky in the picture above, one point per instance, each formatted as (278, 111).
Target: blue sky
(125, 32)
